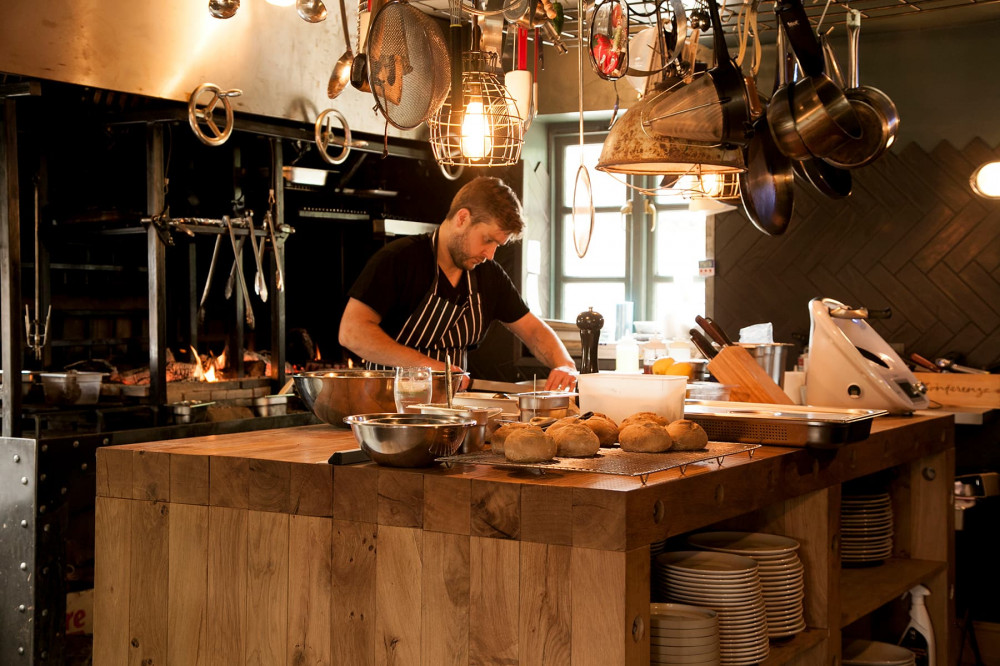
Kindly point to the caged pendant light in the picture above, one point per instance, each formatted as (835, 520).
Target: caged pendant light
(487, 130)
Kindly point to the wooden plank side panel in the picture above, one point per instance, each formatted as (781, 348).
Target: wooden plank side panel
(636, 629)
(114, 472)
(545, 601)
(445, 599)
(494, 591)
(187, 611)
(397, 596)
(352, 623)
(227, 586)
(598, 578)
(267, 588)
(310, 563)
(148, 570)
(112, 579)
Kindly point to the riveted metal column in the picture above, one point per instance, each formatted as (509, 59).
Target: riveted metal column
(156, 266)
(17, 550)
(11, 332)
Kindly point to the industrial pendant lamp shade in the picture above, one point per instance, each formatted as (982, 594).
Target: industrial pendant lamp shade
(631, 149)
(487, 130)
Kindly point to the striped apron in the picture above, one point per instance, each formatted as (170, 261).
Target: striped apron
(438, 327)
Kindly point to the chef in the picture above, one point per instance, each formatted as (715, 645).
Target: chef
(422, 297)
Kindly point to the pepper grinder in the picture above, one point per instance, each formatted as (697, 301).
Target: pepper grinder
(590, 324)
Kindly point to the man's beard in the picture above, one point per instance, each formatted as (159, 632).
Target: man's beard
(459, 256)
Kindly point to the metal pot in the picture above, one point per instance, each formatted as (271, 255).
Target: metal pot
(271, 405)
(877, 114)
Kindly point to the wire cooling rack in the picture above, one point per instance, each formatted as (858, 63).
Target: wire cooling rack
(614, 460)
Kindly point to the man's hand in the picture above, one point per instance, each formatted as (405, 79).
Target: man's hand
(562, 378)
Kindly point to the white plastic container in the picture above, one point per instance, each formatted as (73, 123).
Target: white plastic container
(619, 395)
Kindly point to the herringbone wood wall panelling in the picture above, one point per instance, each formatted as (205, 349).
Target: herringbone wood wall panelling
(912, 237)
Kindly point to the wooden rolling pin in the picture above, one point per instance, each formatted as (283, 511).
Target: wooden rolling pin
(734, 365)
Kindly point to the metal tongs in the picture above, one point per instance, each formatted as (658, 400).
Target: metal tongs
(447, 378)
(259, 281)
(238, 266)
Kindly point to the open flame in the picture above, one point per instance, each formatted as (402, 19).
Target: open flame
(209, 372)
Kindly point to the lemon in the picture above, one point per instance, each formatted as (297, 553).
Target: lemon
(661, 365)
(682, 369)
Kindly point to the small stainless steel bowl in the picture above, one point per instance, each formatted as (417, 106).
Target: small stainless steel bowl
(543, 403)
(408, 440)
(334, 394)
(485, 421)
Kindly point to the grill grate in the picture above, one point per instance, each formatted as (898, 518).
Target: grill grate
(614, 460)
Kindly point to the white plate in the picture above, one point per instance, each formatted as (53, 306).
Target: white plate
(682, 615)
(717, 564)
(744, 543)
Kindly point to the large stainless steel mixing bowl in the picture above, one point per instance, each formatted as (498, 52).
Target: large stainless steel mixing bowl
(334, 394)
(408, 440)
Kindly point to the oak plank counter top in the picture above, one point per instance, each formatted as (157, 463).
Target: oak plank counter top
(217, 530)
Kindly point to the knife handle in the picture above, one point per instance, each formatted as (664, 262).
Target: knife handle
(714, 331)
(924, 363)
(702, 343)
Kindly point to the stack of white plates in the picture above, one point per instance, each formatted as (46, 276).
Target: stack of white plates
(872, 653)
(729, 585)
(682, 634)
(782, 576)
(865, 528)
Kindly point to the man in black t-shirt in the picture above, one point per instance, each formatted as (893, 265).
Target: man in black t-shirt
(421, 298)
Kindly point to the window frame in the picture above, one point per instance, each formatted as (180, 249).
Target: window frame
(640, 277)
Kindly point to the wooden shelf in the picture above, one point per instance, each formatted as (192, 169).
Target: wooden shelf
(865, 589)
(787, 651)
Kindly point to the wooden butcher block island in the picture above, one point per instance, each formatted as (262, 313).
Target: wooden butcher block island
(251, 549)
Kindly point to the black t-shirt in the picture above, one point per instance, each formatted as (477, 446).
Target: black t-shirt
(398, 277)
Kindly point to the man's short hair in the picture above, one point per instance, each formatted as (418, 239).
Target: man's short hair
(488, 199)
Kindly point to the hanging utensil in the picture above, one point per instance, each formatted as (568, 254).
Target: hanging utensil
(341, 74)
(408, 64)
(311, 11)
(239, 270)
(280, 279)
(730, 85)
(208, 280)
(609, 39)
(877, 114)
(767, 187)
(583, 196)
(259, 281)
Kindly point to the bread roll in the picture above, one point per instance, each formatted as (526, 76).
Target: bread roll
(645, 437)
(639, 417)
(562, 423)
(529, 445)
(501, 433)
(688, 435)
(605, 429)
(575, 440)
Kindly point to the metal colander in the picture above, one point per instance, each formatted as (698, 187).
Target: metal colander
(409, 68)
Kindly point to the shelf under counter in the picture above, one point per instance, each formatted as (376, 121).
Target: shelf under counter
(864, 589)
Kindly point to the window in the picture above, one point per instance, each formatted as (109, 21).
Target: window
(629, 260)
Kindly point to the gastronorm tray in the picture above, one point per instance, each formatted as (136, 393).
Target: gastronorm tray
(612, 460)
(781, 425)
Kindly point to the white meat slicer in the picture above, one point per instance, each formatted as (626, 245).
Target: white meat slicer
(850, 365)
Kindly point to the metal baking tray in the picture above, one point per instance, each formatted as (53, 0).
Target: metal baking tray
(781, 425)
(612, 460)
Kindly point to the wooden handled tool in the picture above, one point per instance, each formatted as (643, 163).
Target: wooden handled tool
(734, 365)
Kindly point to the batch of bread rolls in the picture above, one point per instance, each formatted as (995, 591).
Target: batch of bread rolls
(583, 436)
